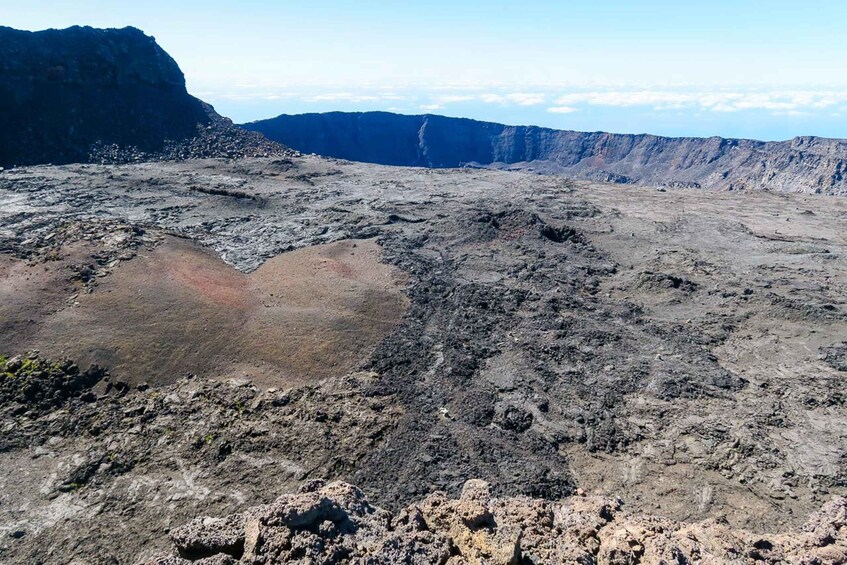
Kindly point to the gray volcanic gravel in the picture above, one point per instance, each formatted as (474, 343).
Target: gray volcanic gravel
(681, 350)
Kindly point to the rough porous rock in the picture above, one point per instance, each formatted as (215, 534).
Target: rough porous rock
(836, 356)
(28, 383)
(219, 138)
(334, 523)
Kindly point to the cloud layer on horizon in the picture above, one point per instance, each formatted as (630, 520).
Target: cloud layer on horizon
(749, 111)
(558, 101)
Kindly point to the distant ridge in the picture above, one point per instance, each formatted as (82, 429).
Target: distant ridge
(802, 164)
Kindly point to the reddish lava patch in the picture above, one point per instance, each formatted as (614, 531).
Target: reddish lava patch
(302, 316)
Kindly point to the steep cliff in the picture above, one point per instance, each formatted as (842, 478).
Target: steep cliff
(803, 164)
(61, 91)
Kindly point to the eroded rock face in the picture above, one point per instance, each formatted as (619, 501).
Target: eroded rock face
(802, 164)
(105, 95)
(334, 523)
(63, 90)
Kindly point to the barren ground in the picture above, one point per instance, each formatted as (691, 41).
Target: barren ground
(683, 350)
(177, 309)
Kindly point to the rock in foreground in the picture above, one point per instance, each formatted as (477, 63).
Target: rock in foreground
(334, 523)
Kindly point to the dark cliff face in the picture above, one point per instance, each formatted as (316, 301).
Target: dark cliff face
(385, 138)
(805, 164)
(63, 90)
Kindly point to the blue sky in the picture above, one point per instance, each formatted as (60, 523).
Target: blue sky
(744, 68)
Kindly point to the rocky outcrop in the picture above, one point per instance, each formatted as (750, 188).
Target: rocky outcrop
(63, 90)
(803, 164)
(84, 94)
(334, 523)
(41, 386)
(220, 138)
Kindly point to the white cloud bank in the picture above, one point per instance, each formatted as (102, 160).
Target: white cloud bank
(784, 102)
(777, 102)
(502, 98)
(561, 109)
(798, 101)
